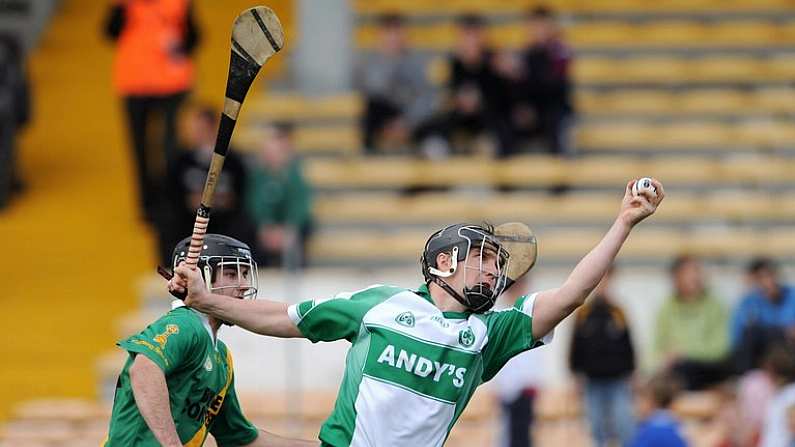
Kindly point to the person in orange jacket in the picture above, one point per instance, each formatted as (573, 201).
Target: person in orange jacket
(152, 72)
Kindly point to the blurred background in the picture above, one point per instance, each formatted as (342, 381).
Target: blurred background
(384, 120)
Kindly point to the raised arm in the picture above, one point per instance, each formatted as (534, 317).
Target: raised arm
(261, 316)
(552, 306)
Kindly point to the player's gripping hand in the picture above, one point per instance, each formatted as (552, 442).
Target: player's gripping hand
(635, 208)
(189, 281)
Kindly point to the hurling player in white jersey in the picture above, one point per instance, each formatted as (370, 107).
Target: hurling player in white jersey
(417, 356)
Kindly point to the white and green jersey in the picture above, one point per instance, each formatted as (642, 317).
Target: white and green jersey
(411, 368)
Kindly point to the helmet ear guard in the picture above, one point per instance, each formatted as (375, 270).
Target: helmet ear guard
(454, 260)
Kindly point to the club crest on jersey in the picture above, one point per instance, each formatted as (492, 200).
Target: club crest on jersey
(162, 339)
(208, 364)
(466, 337)
(405, 319)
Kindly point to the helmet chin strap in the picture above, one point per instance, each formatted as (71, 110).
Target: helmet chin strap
(443, 284)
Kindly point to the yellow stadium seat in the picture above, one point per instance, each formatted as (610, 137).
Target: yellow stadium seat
(672, 33)
(615, 136)
(727, 69)
(718, 242)
(766, 133)
(530, 170)
(745, 33)
(774, 100)
(723, 101)
(779, 242)
(636, 69)
(682, 170)
(758, 170)
(668, 33)
(781, 68)
(693, 135)
(332, 138)
(590, 171)
(295, 107)
(720, 101)
(601, 34)
(510, 35)
(505, 7)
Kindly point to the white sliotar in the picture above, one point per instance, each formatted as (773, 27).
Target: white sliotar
(644, 184)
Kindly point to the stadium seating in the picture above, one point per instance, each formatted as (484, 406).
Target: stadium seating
(606, 34)
(507, 7)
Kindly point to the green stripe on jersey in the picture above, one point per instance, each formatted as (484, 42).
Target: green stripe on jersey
(424, 368)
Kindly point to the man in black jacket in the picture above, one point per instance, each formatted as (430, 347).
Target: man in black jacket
(603, 358)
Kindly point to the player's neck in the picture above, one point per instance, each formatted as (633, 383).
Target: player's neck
(443, 300)
(215, 324)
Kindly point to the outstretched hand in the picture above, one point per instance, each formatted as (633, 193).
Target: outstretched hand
(636, 208)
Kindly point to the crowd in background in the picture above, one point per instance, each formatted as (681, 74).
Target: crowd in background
(746, 355)
(262, 200)
(497, 102)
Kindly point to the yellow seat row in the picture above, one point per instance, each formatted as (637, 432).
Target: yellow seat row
(502, 7)
(364, 173)
(291, 106)
(663, 70)
(335, 139)
(386, 208)
(669, 69)
(707, 101)
(404, 245)
(442, 36)
(348, 106)
(747, 135)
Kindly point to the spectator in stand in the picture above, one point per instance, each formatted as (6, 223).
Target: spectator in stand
(185, 184)
(397, 94)
(280, 201)
(14, 112)
(755, 392)
(692, 313)
(603, 358)
(765, 316)
(475, 63)
(463, 129)
(778, 429)
(547, 88)
(152, 72)
(658, 427)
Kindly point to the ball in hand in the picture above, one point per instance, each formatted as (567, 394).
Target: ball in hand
(644, 184)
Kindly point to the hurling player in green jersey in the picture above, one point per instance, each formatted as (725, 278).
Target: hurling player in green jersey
(178, 383)
(417, 356)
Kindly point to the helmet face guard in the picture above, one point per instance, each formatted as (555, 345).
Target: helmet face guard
(221, 256)
(459, 241)
(244, 270)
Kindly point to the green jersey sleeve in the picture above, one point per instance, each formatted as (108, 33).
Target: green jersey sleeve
(230, 427)
(339, 317)
(169, 341)
(509, 332)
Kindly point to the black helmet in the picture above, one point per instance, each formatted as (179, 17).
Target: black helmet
(222, 251)
(458, 240)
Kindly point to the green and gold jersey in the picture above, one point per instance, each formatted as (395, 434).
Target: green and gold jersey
(411, 369)
(200, 380)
